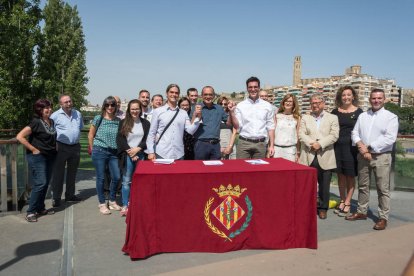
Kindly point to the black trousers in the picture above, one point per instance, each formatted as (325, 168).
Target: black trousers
(324, 184)
(67, 156)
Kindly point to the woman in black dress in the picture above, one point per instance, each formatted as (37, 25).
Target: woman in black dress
(346, 155)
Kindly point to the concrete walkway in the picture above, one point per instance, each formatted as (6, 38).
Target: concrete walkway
(77, 240)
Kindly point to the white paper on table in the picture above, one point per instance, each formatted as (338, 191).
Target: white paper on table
(256, 162)
(212, 162)
(164, 161)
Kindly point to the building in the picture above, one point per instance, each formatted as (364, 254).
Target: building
(353, 76)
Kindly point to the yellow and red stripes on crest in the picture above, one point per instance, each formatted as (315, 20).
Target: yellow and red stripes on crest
(228, 212)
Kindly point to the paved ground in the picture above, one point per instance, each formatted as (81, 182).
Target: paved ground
(77, 240)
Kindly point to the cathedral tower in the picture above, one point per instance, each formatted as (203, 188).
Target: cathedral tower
(297, 71)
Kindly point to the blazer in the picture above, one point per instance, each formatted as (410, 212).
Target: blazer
(326, 136)
(122, 142)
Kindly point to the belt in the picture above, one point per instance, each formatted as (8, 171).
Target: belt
(211, 141)
(68, 144)
(252, 140)
(280, 146)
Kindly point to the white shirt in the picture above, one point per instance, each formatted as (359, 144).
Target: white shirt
(147, 114)
(171, 145)
(376, 129)
(255, 118)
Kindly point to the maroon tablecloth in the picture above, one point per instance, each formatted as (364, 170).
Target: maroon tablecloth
(190, 207)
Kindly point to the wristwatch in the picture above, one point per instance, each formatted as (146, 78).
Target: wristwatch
(369, 149)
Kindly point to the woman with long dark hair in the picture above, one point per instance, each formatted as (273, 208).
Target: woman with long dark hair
(102, 140)
(131, 141)
(347, 111)
(184, 104)
(40, 154)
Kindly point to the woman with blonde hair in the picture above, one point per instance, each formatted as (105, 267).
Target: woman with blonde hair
(287, 124)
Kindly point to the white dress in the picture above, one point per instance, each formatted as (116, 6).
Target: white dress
(286, 137)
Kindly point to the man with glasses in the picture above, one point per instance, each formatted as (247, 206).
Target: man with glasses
(256, 124)
(144, 98)
(317, 133)
(68, 124)
(207, 136)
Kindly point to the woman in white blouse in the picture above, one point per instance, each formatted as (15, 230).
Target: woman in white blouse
(286, 131)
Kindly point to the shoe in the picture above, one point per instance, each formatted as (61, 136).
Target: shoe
(322, 214)
(31, 218)
(103, 209)
(338, 208)
(114, 206)
(73, 199)
(380, 225)
(56, 202)
(46, 212)
(343, 212)
(356, 216)
(124, 211)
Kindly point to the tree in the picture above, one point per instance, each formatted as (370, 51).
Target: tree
(405, 116)
(62, 61)
(19, 35)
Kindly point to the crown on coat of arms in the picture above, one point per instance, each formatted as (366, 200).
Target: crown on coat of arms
(229, 191)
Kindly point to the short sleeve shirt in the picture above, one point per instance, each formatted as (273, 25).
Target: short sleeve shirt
(43, 136)
(106, 134)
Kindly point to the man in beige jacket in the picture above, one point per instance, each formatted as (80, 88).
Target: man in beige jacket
(318, 132)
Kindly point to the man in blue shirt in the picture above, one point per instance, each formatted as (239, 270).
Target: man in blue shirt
(68, 124)
(207, 136)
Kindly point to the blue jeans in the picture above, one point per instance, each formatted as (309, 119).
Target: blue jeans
(41, 167)
(127, 177)
(206, 151)
(100, 158)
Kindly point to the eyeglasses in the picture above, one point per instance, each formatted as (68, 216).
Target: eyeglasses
(316, 103)
(110, 105)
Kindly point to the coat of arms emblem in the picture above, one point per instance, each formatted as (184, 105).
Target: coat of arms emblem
(228, 212)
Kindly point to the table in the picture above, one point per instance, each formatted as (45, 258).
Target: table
(190, 207)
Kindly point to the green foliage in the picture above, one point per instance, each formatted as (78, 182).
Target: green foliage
(36, 63)
(19, 35)
(405, 116)
(61, 55)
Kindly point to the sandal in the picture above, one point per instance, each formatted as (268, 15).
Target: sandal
(114, 206)
(46, 212)
(31, 218)
(103, 209)
(343, 213)
(338, 208)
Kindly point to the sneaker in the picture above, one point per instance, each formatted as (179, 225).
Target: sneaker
(56, 202)
(124, 211)
(114, 206)
(103, 209)
(73, 199)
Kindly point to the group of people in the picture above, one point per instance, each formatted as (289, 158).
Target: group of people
(347, 140)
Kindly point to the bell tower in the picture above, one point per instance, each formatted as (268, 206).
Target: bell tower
(297, 71)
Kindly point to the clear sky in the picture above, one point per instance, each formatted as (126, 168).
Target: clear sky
(134, 45)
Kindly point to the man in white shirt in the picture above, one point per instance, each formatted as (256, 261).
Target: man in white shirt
(165, 138)
(144, 98)
(255, 117)
(375, 133)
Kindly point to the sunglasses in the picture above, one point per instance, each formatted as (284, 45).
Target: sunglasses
(110, 105)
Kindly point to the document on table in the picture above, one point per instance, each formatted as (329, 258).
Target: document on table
(164, 161)
(256, 162)
(212, 162)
